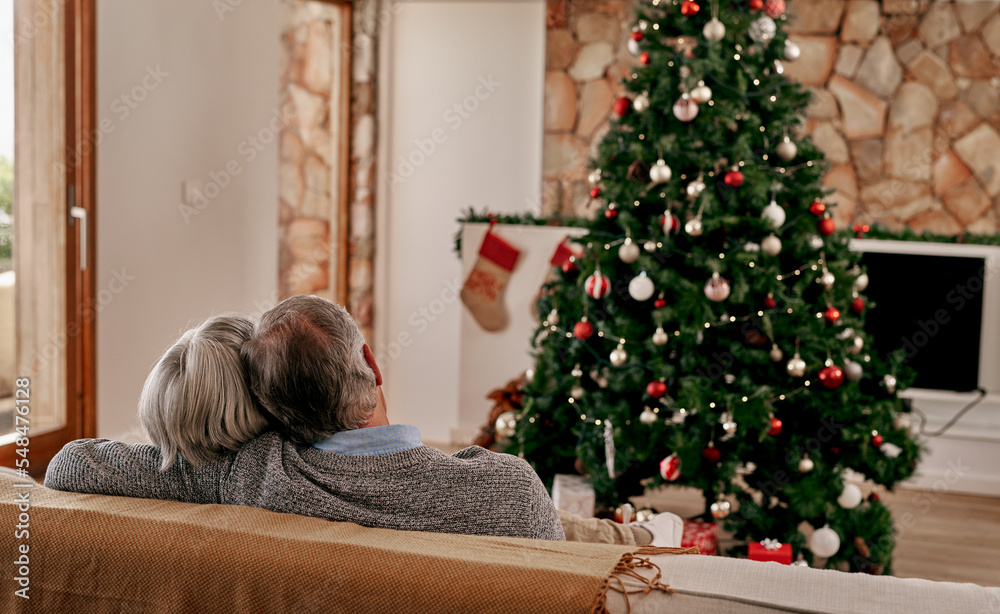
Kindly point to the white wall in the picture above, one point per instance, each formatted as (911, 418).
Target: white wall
(435, 55)
(218, 85)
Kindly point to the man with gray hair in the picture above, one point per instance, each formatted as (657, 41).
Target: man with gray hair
(332, 452)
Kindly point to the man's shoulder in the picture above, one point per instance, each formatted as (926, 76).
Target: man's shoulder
(497, 459)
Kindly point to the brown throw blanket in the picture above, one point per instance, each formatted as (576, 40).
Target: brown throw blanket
(95, 554)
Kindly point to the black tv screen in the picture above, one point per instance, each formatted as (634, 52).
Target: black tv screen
(932, 307)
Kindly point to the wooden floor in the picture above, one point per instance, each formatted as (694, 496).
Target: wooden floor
(940, 536)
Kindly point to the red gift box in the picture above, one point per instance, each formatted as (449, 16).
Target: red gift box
(704, 535)
(765, 551)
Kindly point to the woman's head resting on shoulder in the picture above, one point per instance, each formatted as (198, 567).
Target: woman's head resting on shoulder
(196, 401)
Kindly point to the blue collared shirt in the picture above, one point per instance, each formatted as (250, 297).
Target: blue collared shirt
(372, 440)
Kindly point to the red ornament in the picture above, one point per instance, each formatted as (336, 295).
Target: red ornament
(644, 57)
(733, 178)
(756, 5)
(775, 426)
(877, 440)
(670, 468)
(861, 229)
(675, 223)
(826, 226)
(611, 213)
(858, 304)
(595, 192)
(769, 302)
(711, 454)
(623, 106)
(831, 377)
(774, 8)
(656, 389)
(690, 8)
(583, 330)
(835, 450)
(874, 497)
(637, 36)
(597, 285)
(818, 208)
(569, 266)
(660, 303)
(832, 314)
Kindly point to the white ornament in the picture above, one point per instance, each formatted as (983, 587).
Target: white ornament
(779, 67)
(902, 422)
(774, 213)
(776, 353)
(852, 370)
(806, 464)
(647, 417)
(660, 336)
(763, 29)
(857, 344)
(861, 283)
(594, 177)
(619, 356)
(890, 450)
(824, 542)
(685, 109)
(660, 172)
(553, 318)
(771, 245)
(529, 375)
(850, 497)
(629, 251)
(702, 93)
(786, 149)
(827, 279)
(694, 227)
(641, 102)
(815, 242)
(716, 288)
(720, 509)
(792, 51)
(577, 371)
(751, 248)
(714, 30)
(641, 287)
(796, 366)
(890, 383)
(633, 46)
(695, 188)
(576, 392)
(649, 246)
(506, 424)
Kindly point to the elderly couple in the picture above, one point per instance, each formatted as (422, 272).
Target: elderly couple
(287, 414)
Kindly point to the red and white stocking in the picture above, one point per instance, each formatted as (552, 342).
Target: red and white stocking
(483, 290)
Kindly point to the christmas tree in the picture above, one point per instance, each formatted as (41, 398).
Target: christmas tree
(710, 331)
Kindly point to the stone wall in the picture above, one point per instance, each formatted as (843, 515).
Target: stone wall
(906, 104)
(315, 200)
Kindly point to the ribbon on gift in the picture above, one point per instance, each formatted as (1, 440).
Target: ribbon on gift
(770, 544)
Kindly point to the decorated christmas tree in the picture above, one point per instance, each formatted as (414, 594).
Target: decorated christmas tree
(710, 330)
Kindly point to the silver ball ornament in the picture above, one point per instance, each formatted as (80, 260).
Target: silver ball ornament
(776, 353)
(857, 344)
(792, 51)
(824, 542)
(714, 30)
(529, 374)
(717, 289)
(695, 188)
(641, 287)
(641, 102)
(796, 366)
(618, 356)
(771, 245)
(721, 509)
(763, 30)
(774, 213)
(852, 370)
(506, 424)
(553, 317)
(660, 172)
(786, 149)
(815, 242)
(827, 279)
(628, 252)
(694, 227)
(594, 177)
(633, 46)
(685, 109)
(860, 283)
(702, 93)
(806, 465)
(660, 336)
(890, 383)
(647, 417)
(850, 497)
(649, 246)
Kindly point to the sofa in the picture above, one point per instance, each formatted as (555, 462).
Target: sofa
(95, 554)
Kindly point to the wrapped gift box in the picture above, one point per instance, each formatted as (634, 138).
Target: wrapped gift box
(771, 550)
(704, 535)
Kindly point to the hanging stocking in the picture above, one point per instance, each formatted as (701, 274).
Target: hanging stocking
(483, 290)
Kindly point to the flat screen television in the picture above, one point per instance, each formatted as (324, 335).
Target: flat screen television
(940, 303)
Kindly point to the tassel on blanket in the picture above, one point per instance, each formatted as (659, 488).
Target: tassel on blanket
(629, 567)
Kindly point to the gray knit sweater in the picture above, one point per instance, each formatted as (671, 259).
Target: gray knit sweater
(474, 491)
